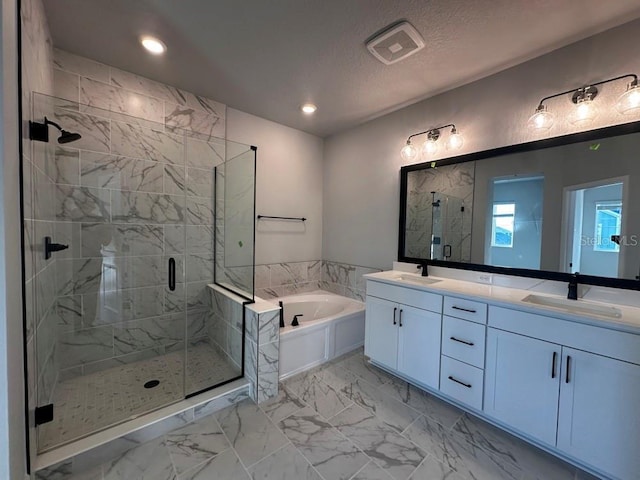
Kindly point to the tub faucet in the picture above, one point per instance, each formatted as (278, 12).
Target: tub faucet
(295, 322)
(281, 314)
(573, 287)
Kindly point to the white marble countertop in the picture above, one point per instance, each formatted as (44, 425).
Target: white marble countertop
(628, 321)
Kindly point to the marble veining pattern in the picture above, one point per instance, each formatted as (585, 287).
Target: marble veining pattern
(286, 438)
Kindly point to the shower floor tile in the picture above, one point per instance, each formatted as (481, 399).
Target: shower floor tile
(92, 402)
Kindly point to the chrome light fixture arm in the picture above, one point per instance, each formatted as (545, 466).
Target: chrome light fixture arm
(432, 133)
(590, 88)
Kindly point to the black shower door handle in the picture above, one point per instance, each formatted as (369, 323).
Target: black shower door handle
(172, 274)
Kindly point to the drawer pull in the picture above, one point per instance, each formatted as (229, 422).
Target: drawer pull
(568, 368)
(553, 365)
(394, 315)
(468, 310)
(458, 381)
(462, 341)
(400, 316)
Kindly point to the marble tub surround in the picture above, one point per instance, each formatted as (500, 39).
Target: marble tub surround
(288, 438)
(282, 279)
(262, 348)
(345, 279)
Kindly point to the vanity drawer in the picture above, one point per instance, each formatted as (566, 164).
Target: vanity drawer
(461, 381)
(465, 309)
(406, 296)
(463, 340)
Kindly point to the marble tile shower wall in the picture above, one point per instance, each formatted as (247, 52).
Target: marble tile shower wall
(281, 279)
(37, 76)
(455, 180)
(135, 190)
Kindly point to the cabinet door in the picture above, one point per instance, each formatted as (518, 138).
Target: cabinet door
(522, 383)
(419, 334)
(381, 331)
(599, 422)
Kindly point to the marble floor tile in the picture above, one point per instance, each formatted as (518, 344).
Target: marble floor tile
(195, 443)
(388, 449)
(286, 464)
(507, 448)
(283, 405)
(372, 471)
(359, 364)
(323, 397)
(250, 431)
(393, 412)
(333, 456)
(149, 461)
(225, 466)
(466, 459)
(440, 411)
(431, 469)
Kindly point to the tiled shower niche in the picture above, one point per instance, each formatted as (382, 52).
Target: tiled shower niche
(126, 198)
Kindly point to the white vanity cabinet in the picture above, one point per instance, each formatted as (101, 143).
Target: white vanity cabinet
(522, 383)
(598, 421)
(402, 331)
(541, 382)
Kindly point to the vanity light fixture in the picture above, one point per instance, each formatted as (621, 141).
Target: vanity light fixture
(455, 141)
(585, 110)
(153, 45)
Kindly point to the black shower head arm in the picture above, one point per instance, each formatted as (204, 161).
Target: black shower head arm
(49, 122)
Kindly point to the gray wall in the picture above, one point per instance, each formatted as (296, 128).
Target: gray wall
(361, 175)
(288, 183)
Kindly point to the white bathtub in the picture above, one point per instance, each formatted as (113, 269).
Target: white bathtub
(331, 326)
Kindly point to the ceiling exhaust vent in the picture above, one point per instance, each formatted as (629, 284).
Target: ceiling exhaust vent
(395, 43)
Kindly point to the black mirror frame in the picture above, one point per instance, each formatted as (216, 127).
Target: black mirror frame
(606, 132)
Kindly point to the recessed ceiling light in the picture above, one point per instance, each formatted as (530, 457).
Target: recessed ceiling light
(308, 108)
(153, 45)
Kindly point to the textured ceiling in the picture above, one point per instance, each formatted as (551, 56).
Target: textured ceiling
(267, 57)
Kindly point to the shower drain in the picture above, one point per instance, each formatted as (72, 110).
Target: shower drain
(152, 383)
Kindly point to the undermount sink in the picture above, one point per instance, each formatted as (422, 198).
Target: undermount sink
(574, 306)
(408, 277)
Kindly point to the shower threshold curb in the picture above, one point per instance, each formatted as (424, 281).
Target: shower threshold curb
(111, 442)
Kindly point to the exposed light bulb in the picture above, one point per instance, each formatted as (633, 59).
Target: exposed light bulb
(455, 141)
(430, 147)
(153, 45)
(584, 112)
(542, 119)
(409, 152)
(629, 101)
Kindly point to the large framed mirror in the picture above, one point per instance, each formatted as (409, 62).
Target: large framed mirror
(545, 209)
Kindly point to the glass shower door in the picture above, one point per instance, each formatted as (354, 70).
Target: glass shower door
(109, 305)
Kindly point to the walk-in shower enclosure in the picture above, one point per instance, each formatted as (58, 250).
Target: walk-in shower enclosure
(119, 323)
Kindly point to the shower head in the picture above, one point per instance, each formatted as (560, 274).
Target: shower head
(65, 137)
(68, 137)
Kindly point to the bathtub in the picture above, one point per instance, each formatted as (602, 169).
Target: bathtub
(330, 326)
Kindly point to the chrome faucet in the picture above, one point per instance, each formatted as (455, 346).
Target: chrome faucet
(573, 287)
